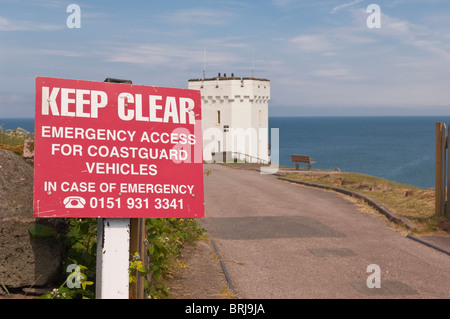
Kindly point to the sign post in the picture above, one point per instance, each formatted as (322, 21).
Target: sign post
(137, 235)
(116, 152)
(136, 229)
(113, 246)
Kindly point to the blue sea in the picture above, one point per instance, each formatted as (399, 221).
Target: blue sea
(13, 123)
(400, 149)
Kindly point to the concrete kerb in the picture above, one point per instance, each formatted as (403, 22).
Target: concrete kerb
(379, 207)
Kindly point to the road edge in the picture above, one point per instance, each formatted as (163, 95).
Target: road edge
(391, 216)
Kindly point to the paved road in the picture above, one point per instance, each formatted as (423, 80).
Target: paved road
(282, 240)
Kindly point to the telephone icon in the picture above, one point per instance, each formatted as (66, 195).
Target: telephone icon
(74, 202)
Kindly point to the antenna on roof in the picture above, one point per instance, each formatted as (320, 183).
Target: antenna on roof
(253, 65)
(204, 62)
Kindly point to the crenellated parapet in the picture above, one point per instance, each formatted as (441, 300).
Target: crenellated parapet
(223, 89)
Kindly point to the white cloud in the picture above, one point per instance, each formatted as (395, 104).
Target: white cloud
(282, 3)
(336, 72)
(342, 6)
(402, 64)
(18, 25)
(418, 37)
(198, 16)
(312, 43)
(8, 25)
(16, 104)
(48, 3)
(64, 53)
(164, 54)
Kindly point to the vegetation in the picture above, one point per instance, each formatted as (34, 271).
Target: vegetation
(165, 238)
(13, 140)
(416, 204)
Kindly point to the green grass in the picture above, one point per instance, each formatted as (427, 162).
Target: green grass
(414, 203)
(13, 140)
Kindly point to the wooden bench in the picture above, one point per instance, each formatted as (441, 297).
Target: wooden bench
(302, 159)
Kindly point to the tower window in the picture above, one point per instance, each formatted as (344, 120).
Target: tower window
(218, 117)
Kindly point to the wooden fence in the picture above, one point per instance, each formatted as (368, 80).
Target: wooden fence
(442, 175)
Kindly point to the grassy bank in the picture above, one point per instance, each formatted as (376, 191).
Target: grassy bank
(13, 140)
(414, 203)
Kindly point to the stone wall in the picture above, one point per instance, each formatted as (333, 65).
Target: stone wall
(25, 260)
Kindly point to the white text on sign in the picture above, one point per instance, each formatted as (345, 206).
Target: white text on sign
(156, 108)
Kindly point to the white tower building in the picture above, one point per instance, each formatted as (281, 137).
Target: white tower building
(235, 117)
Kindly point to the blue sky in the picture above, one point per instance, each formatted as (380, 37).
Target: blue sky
(321, 57)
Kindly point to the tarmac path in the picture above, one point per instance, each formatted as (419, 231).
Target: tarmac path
(283, 240)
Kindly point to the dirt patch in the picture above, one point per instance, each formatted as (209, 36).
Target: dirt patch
(199, 275)
(17, 296)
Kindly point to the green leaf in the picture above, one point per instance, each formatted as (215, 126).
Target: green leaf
(40, 231)
(142, 270)
(84, 228)
(86, 283)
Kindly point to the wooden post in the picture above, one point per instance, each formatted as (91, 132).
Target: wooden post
(137, 235)
(438, 166)
(443, 169)
(447, 205)
(440, 171)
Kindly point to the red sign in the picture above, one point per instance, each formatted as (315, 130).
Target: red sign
(117, 150)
